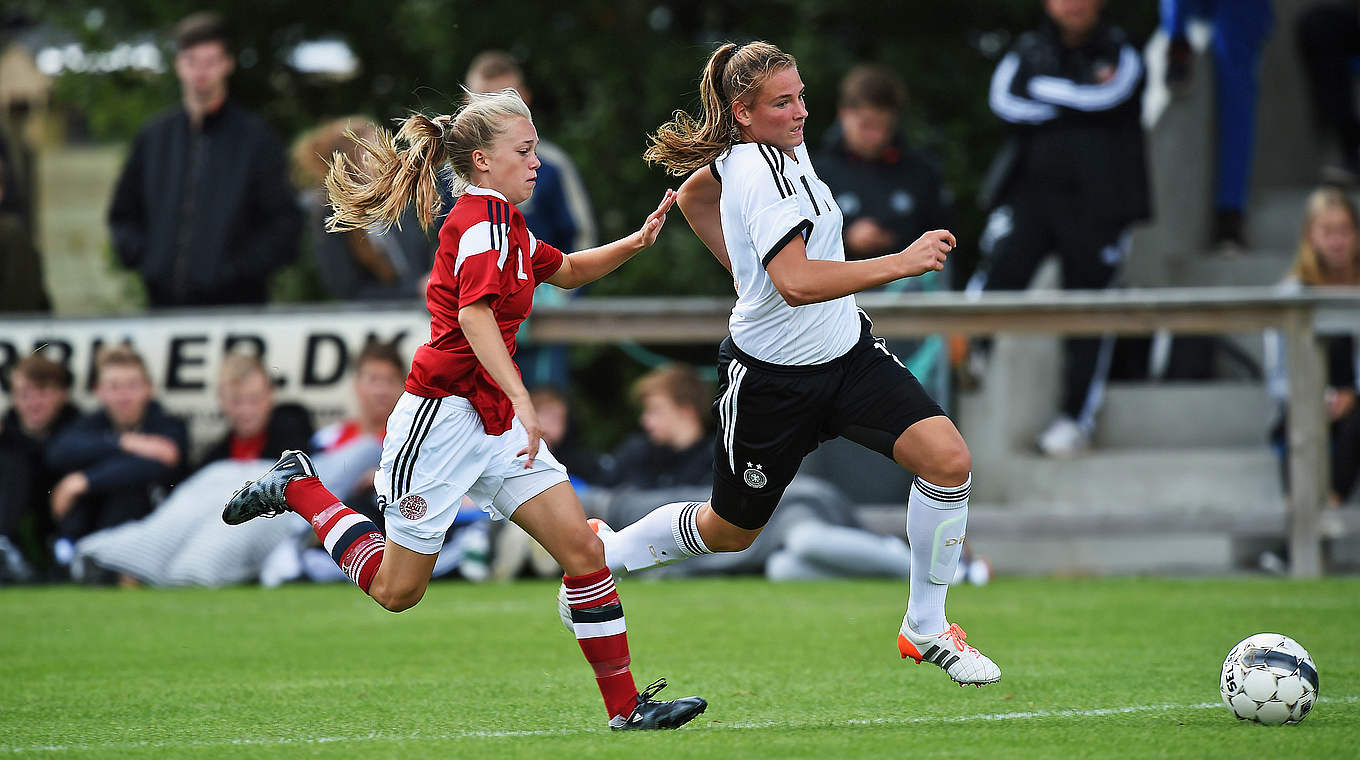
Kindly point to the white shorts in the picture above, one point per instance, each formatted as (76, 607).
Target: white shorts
(437, 450)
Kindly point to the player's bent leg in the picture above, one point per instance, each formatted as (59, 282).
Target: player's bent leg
(556, 520)
(353, 541)
(937, 521)
(401, 578)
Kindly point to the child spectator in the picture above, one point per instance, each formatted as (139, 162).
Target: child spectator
(1328, 256)
(40, 389)
(674, 447)
(888, 193)
(119, 460)
(257, 427)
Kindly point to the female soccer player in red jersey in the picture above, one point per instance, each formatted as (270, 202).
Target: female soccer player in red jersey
(801, 365)
(465, 424)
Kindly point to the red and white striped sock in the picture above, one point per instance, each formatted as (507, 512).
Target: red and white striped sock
(597, 619)
(353, 541)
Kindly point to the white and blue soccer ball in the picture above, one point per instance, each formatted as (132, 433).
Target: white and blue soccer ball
(1268, 678)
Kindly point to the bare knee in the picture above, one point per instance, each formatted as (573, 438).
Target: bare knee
(396, 597)
(949, 465)
(582, 556)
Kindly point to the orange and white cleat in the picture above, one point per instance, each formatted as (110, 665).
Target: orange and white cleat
(600, 527)
(962, 662)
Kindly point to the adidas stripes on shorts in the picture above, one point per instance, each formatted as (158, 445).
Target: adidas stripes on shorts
(436, 450)
(770, 416)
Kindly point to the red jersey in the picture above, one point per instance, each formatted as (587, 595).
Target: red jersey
(485, 250)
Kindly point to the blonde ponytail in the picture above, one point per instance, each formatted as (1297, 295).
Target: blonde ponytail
(391, 172)
(732, 73)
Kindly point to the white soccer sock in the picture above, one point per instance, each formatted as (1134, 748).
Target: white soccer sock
(667, 534)
(937, 518)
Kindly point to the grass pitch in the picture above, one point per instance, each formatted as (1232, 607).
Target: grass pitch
(1091, 668)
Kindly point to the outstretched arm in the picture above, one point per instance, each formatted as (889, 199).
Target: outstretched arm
(802, 281)
(590, 265)
(698, 198)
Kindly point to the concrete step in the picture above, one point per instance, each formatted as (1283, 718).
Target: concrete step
(1030, 539)
(1150, 415)
(1259, 266)
(1153, 480)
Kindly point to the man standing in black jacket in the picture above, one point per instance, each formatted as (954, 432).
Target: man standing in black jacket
(1071, 180)
(203, 208)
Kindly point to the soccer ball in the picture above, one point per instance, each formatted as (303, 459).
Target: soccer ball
(1268, 678)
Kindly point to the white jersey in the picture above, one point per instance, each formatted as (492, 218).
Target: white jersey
(767, 199)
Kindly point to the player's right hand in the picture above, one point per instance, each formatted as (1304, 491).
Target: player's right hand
(928, 253)
(524, 410)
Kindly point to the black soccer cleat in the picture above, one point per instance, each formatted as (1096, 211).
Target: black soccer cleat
(263, 496)
(650, 714)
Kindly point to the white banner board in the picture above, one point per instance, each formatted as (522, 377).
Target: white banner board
(309, 353)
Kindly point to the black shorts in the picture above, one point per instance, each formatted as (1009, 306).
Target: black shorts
(770, 416)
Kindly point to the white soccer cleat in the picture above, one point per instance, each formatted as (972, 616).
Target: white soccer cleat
(963, 663)
(564, 609)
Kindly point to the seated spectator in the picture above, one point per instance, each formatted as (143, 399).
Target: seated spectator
(118, 461)
(41, 390)
(185, 543)
(674, 448)
(358, 265)
(1328, 256)
(379, 379)
(257, 427)
(888, 193)
(559, 432)
(1329, 43)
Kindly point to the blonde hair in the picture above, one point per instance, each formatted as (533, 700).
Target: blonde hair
(732, 73)
(237, 366)
(312, 152)
(119, 355)
(394, 171)
(1309, 268)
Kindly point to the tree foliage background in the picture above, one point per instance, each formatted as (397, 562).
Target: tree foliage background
(604, 73)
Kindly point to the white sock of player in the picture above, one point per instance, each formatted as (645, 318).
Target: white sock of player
(937, 518)
(667, 534)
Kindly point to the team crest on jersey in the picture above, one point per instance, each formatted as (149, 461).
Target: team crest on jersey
(412, 507)
(755, 476)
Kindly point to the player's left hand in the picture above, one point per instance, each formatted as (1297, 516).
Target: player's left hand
(652, 227)
(524, 410)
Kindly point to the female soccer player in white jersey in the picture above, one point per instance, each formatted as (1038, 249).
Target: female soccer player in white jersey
(801, 366)
(465, 424)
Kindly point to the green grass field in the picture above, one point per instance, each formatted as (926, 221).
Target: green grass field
(1091, 668)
